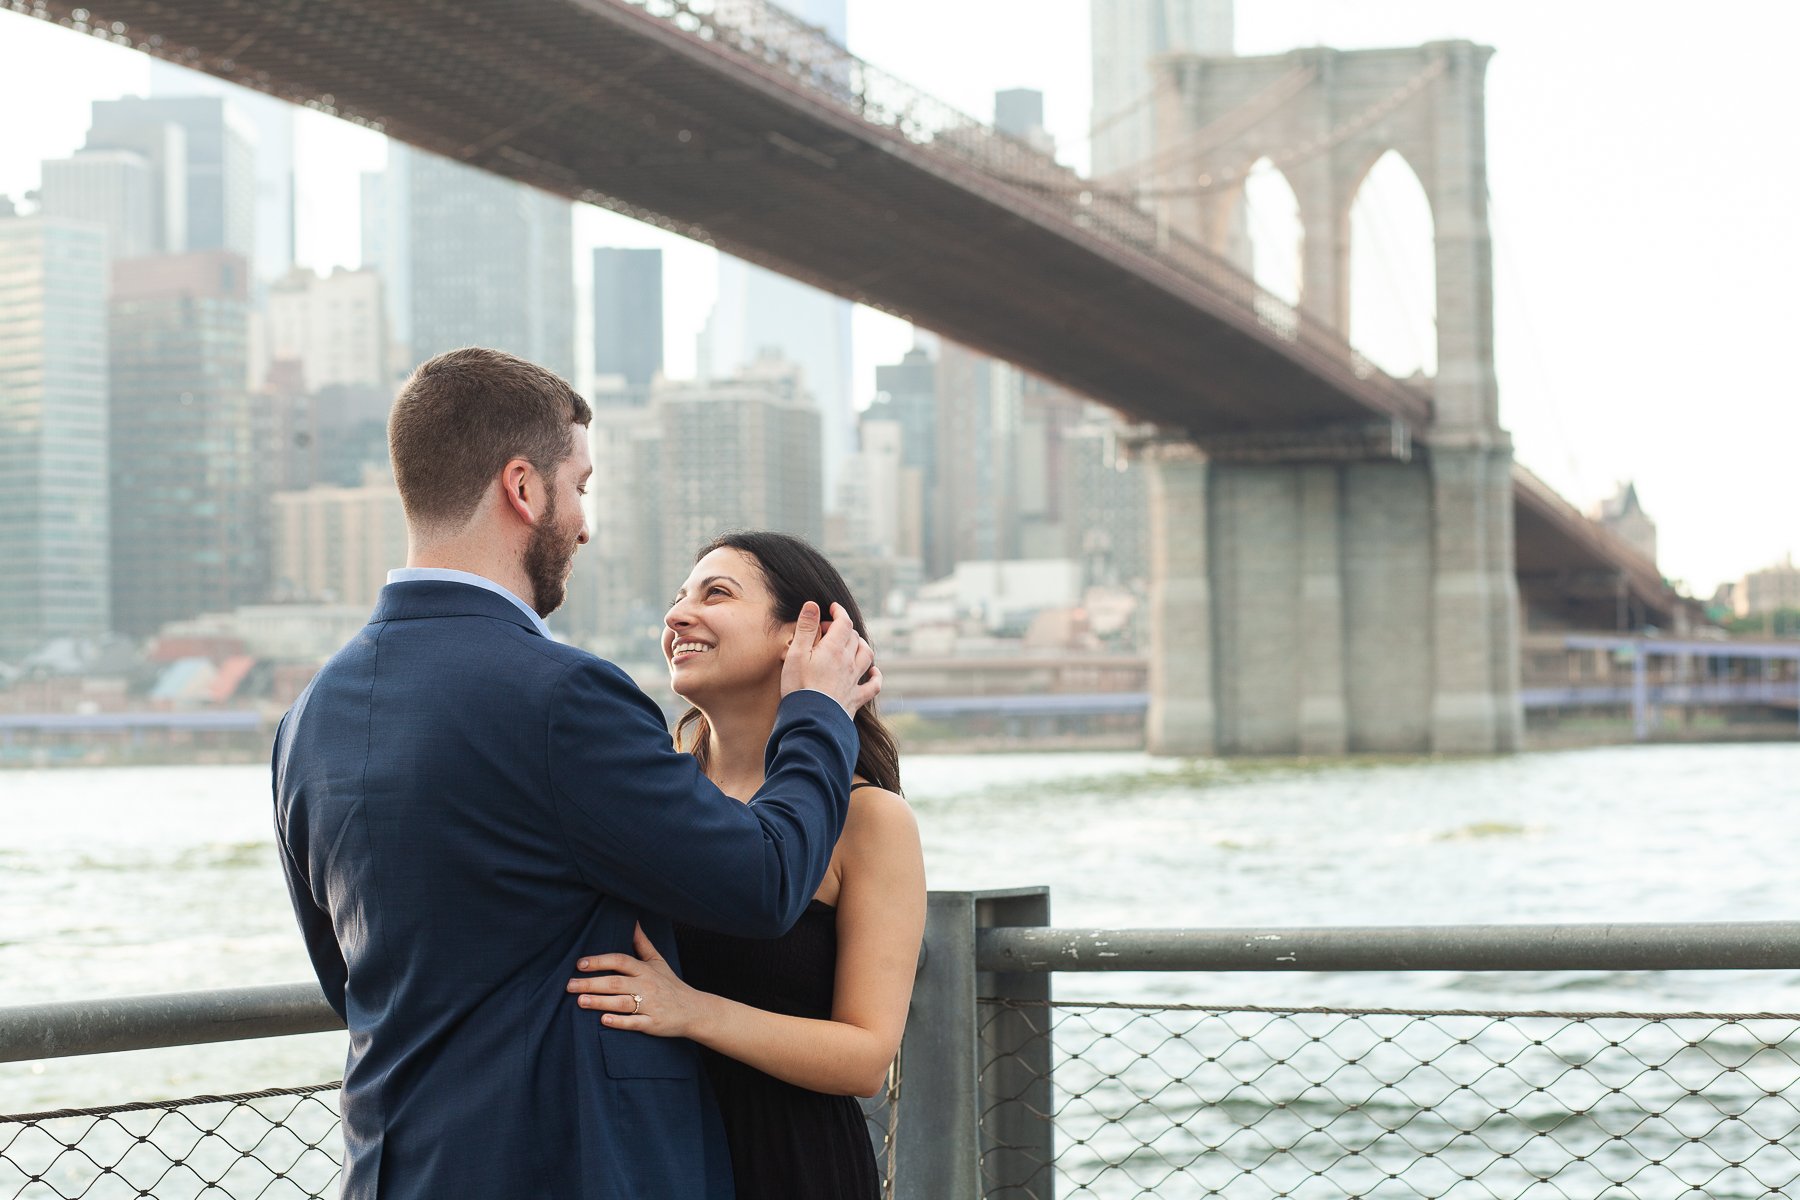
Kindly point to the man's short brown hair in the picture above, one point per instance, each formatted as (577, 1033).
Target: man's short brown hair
(466, 414)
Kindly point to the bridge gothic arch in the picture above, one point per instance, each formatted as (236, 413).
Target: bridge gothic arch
(1324, 118)
(1393, 283)
(1274, 235)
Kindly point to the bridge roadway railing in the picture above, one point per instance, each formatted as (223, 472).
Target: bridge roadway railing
(805, 55)
(1009, 1092)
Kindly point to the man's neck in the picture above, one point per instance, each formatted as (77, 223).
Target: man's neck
(500, 569)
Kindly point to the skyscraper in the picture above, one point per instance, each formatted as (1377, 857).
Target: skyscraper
(385, 247)
(619, 591)
(1019, 113)
(1127, 34)
(190, 532)
(110, 188)
(759, 310)
(489, 262)
(333, 325)
(53, 437)
(977, 417)
(1108, 521)
(876, 496)
(737, 453)
(628, 315)
(906, 396)
(273, 120)
(218, 163)
(1041, 507)
(163, 147)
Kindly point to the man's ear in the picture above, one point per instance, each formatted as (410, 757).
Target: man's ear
(518, 481)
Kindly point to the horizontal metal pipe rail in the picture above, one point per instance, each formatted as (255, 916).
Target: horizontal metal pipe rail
(64, 1030)
(61, 1030)
(1725, 946)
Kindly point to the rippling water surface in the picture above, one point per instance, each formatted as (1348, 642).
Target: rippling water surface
(127, 881)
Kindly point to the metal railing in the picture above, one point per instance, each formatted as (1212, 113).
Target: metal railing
(280, 1142)
(1133, 1099)
(1010, 1093)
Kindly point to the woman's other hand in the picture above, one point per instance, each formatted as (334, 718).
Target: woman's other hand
(665, 1006)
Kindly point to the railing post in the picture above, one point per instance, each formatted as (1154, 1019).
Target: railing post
(938, 1142)
(935, 1152)
(1017, 1134)
(1640, 695)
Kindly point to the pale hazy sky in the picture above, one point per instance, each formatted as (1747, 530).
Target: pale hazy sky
(1643, 172)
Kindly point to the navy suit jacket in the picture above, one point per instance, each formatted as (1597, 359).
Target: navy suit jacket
(464, 808)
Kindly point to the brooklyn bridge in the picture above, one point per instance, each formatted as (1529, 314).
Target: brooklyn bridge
(1342, 560)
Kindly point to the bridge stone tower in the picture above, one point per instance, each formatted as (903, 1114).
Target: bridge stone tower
(1305, 599)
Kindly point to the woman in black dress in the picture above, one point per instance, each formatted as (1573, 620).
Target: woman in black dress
(794, 1028)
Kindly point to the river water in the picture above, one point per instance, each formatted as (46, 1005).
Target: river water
(135, 880)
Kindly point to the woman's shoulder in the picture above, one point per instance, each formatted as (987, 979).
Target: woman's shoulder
(876, 812)
(880, 854)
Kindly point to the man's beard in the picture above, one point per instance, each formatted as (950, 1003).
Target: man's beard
(547, 558)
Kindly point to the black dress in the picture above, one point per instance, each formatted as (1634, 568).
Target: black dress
(787, 1143)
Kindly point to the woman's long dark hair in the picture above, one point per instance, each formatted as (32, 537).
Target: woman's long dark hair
(796, 573)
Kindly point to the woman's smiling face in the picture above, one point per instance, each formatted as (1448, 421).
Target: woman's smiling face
(720, 635)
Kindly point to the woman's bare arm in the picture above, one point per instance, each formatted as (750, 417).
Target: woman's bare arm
(880, 921)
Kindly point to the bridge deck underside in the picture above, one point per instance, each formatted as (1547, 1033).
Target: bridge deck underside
(599, 100)
(1578, 574)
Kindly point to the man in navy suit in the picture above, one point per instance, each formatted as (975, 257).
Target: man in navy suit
(466, 806)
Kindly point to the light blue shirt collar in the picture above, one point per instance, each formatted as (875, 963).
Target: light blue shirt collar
(414, 574)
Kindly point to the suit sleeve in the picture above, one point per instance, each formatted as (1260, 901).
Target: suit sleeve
(645, 824)
(315, 923)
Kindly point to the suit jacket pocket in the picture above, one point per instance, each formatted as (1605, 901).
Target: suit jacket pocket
(630, 1055)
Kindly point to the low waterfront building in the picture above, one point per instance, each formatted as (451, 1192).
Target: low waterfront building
(1768, 590)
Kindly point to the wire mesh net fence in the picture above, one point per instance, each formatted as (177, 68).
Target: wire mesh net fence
(276, 1144)
(1177, 1100)
(279, 1144)
(882, 1113)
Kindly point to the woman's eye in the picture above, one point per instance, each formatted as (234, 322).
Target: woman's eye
(717, 591)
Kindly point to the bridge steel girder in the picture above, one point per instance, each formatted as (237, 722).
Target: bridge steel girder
(602, 101)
